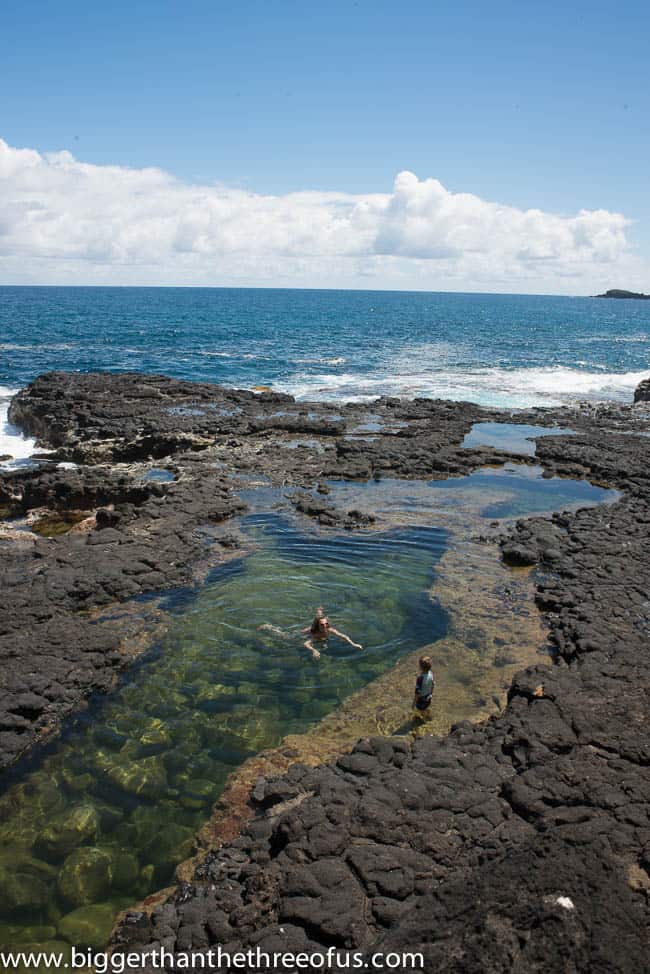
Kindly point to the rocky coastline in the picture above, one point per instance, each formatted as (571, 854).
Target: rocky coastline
(522, 842)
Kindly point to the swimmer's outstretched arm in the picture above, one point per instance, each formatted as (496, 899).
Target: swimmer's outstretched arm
(347, 639)
(312, 649)
(276, 630)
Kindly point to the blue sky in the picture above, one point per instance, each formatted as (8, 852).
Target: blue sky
(529, 104)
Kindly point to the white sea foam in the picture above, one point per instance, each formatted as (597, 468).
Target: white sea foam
(337, 360)
(241, 355)
(41, 346)
(507, 388)
(12, 442)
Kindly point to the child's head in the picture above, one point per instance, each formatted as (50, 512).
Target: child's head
(425, 663)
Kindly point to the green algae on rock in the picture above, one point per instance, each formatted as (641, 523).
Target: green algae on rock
(88, 926)
(66, 831)
(85, 876)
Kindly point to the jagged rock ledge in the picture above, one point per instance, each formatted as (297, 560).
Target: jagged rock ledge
(521, 843)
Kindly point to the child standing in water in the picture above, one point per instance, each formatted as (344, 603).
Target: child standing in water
(424, 686)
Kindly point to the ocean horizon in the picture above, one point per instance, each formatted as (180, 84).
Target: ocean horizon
(503, 350)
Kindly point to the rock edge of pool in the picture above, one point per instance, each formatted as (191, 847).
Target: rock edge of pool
(521, 842)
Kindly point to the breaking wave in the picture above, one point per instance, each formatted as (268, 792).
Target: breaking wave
(506, 388)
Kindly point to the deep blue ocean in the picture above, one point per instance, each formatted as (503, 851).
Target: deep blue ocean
(504, 350)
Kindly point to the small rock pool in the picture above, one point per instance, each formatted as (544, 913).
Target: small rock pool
(511, 437)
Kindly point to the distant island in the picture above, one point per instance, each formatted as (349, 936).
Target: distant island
(616, 293)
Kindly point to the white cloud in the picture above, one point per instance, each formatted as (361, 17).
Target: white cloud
(65, 221)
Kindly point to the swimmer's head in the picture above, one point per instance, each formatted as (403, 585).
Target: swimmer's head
(321, 622)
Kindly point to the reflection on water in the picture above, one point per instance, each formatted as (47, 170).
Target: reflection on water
(511, 491)
(511, 437)
(101, 819)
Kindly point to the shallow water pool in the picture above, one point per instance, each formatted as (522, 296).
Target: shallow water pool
(511, 437)
(159, 475)
(102, 818)
(509, 491)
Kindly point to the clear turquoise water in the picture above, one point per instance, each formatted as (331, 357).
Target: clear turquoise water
(508, 350)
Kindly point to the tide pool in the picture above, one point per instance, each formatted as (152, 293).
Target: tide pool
(100, 818)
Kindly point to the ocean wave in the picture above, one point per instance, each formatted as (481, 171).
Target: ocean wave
(506, 388)
(241, 355)
(336, 360)
(639, 339)
(45, 346)
(12, 441)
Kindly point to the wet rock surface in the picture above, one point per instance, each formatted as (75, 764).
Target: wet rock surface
(518, 844)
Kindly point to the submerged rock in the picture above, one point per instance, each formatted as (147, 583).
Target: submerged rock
(169, 847)
(24, 889)
(69, 829)
(85, 876)
(125, 869)
(88, 926)
(11, 935)
(156, 736)
(146, 778)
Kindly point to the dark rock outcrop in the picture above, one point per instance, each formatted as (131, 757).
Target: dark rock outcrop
(619, 293)
(642, 391)
(327, 515)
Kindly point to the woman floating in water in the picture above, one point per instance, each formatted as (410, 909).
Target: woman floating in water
(319, 630)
